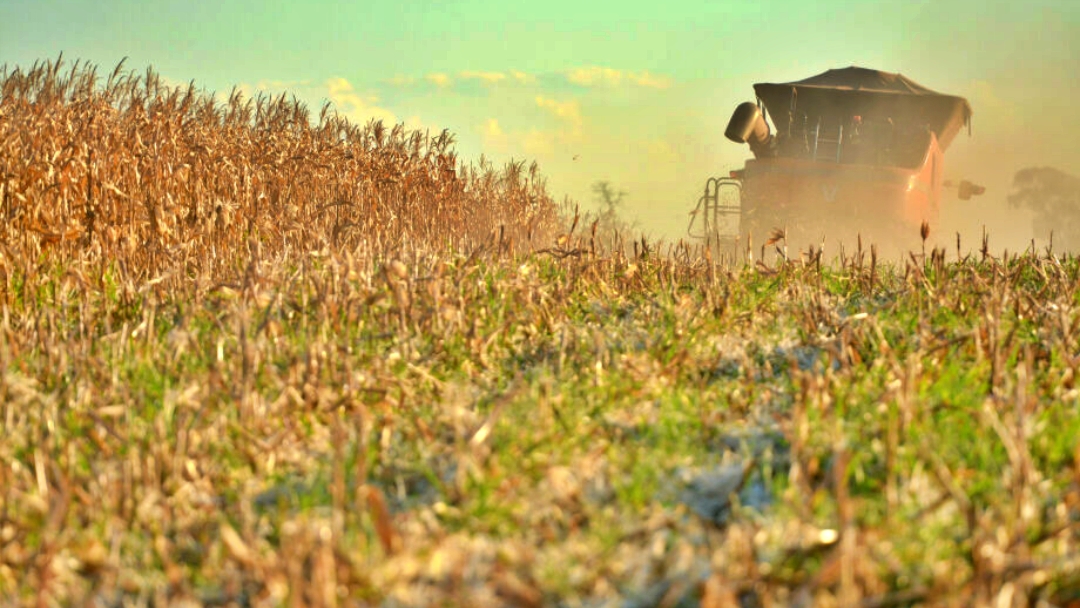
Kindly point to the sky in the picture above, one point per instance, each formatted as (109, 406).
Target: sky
(633, 93)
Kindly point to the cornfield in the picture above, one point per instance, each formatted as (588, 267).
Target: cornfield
(167, 180)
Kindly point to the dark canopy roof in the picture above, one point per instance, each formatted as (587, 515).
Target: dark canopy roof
(871, 94)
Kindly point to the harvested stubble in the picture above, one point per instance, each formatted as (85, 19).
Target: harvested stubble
(275, 415)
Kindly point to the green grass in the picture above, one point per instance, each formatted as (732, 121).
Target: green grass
(530, 426)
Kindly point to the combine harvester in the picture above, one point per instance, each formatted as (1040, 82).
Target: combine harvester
(851, 153)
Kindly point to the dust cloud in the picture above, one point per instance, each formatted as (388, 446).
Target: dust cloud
(1053, 196)
(1012, 227)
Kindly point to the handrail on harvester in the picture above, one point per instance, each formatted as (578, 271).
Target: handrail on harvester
(711, 210)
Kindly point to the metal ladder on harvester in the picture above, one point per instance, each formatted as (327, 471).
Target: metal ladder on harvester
(825, 147)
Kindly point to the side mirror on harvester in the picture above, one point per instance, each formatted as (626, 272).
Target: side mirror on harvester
(966, 189)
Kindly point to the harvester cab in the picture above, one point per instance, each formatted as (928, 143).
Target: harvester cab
(850, 153)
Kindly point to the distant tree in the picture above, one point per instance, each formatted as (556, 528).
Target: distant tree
(1054, 197)
(609, 202)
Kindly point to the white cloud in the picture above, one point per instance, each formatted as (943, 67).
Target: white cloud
(649, 80)
(535, 141)
(493, 136)
(522, 77)
(491, 128)
(357, 108)
(485, 77)
(444, 80)
(438, 79)
(595, 76)
(568, 111)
